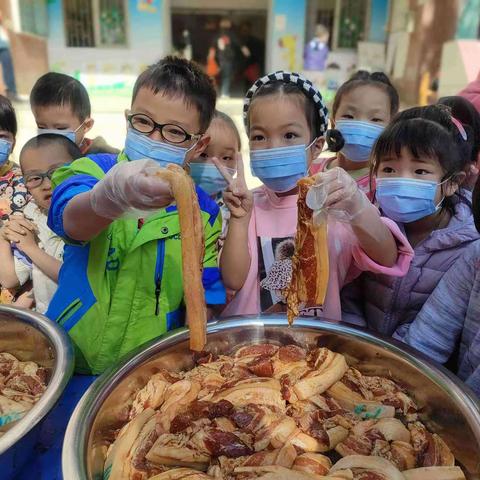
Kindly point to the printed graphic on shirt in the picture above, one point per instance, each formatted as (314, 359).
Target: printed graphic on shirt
(275, 271)
(13, 194)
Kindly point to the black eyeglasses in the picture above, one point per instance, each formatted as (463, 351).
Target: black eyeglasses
(34, 180)
(170, 132)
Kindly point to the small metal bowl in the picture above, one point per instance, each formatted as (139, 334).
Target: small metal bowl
(446, 406)
(32, 337)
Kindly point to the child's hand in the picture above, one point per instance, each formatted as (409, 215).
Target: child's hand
(25, 300)
(127, 187)
(21, 232)
(238, 198)
(20, 225)
(343, 199)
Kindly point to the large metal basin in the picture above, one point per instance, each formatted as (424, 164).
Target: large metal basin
(32, 337)
(446, 405)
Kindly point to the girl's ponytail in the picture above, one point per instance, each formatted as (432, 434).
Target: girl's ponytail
(335, 140)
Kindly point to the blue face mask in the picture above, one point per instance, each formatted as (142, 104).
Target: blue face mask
(280, 168)
(406, 200)
(359, 138)
(5, 149)
(70, 134)
(208, 178)
(138, 147)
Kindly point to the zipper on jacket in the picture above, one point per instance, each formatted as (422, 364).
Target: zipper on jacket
(159, 273)
(393, 304)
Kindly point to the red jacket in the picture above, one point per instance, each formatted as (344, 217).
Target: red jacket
(472, 92)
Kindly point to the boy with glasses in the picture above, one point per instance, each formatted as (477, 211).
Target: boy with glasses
(28, 233)
(121, 283)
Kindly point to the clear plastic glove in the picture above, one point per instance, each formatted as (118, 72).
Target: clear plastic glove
(130, 189)
(336, 193)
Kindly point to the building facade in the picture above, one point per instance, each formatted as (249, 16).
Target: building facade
(106, 43)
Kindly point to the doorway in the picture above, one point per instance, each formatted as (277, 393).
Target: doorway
(195, 31)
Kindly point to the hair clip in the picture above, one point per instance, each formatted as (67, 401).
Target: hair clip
(460, 128)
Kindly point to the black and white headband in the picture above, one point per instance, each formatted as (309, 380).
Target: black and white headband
(290, 77)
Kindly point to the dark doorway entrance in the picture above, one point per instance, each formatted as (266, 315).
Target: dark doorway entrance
(202, 25)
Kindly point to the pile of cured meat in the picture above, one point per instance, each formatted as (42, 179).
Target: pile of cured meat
(269, 412)
(21, 386)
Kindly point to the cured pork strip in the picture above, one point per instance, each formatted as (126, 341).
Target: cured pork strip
(193, 247)
(310, 265)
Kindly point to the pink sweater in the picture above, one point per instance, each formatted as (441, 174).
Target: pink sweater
(472, 92)
(273, 220)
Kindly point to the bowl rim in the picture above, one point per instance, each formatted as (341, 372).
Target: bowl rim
(82, 419)
(62, 372)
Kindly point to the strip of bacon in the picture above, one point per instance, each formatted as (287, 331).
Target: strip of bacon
(193, 246)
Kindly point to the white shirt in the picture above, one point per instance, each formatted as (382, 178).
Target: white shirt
(43, 287)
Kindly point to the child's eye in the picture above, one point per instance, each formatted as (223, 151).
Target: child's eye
(227, 158)
(421, 171)
(203, 155)
(257, 138)
(291, 136)
(347, 116)
(388, 170)
(377, 120)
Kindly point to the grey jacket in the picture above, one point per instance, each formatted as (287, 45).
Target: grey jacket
(384, 303)
(450, 319)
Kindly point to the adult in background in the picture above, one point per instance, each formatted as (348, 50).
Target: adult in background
(225, 50)
(315, 56)
(254, 62)
(6, 62)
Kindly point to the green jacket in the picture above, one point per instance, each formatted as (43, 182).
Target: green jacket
(125, 286)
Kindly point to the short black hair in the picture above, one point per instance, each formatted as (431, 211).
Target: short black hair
(58, 89)
(335, 140)
(442, 115)
(8, 119)
(218, 115)
(280, 87)
(46, 139)
(181, 78)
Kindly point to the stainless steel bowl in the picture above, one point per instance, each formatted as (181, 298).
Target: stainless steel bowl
(32, 337)
(446, 405)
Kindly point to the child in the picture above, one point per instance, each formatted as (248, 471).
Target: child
(466, 114)
(224, 147)
(120, 284)
(60, 104)
(11, 180)
(13, 193)
(39, 158)
(286, 120)
(363, 107)
(419, 166)
(447, 328)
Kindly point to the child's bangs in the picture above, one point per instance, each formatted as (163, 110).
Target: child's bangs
(423, 138)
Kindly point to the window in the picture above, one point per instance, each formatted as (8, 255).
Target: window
(353, 15)
(33, 17)
(95, 23)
